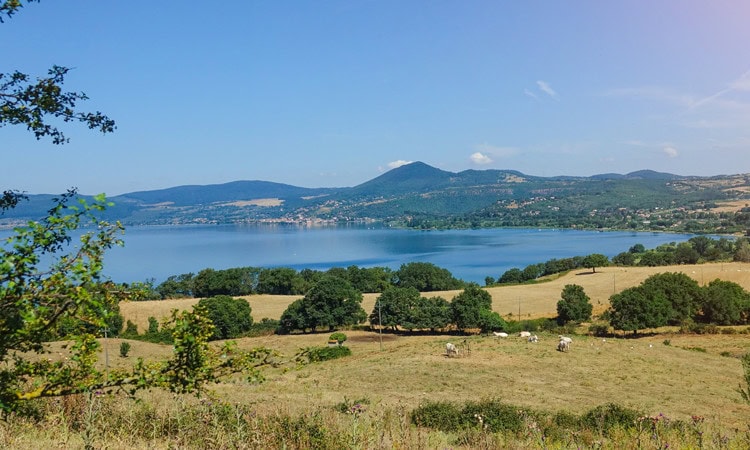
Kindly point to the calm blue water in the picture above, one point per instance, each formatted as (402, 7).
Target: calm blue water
(472, 255)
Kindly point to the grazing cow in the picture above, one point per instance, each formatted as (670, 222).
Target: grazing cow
(563, 346)
(566, 339)
(451, 349)
(533, 338)
(500, 334)
(524, 334)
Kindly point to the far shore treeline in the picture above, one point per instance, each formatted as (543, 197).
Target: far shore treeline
(427, 277)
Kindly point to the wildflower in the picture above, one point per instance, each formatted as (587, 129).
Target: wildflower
(356, 409)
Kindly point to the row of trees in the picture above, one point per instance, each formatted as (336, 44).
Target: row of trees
(406, 309)
(287, 281)
(696, 250)
(662, 299)
(334, 303)
(673, 298)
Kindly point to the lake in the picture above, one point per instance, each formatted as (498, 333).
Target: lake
(160, 251)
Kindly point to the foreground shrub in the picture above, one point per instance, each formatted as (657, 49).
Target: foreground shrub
(490, 415)
(607, 417)
(356, 406)
(494, 415)
(443, 416)
(160, 420)
(745, 390)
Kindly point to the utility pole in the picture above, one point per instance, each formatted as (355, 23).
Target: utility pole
(519, 309)
(380, 325)
(614, 283)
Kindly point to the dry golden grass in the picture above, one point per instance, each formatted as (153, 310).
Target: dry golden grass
(643, 373)
(732, 205)
(640, 373)
(536, 300)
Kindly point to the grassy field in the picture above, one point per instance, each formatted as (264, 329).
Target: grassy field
(677, 379)
(535, 300)
(676, 375)
(296, 408)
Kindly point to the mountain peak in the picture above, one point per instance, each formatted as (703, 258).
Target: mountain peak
(412, 177)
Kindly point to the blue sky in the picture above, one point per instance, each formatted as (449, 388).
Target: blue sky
(334, 93)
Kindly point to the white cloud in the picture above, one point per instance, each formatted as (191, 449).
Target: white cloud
(546, 88)
(398, 163)
(670, 151)
(531, 94)
(480, 158)
(742, 83)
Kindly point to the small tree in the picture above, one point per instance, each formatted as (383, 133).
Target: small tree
(683, 294)
(490, 321)
(468, 305)
(339, 337)
(635, 309)
(724, 303)
(426, 277)
(332, 302)
(595, 260)
(230, 317)
(124, 349)
(574, 306)
(394, 306)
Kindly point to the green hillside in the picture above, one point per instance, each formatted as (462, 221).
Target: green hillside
(420, 196)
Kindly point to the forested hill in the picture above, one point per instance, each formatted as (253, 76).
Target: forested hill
(421, 196)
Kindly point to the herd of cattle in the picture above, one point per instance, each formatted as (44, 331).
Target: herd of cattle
(563, 344)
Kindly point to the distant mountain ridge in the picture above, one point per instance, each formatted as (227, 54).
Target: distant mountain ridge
(226, 192)
(419, 195)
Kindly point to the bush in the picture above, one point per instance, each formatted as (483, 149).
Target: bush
(607, 417)
(131, 329)
(443, 416)
(599, 329)
(689, 326)
(231, 317)
(338, 337)
(352, 406)
(124, 349)
(265, 327)
(493, 415)
(318, 354)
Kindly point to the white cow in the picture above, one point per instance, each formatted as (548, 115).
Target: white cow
(566, 339)
(563, 346)
(524, 334)
(451, 349)
(500, 334)
(533, 338)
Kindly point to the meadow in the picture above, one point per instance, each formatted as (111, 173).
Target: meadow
(366, 400)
